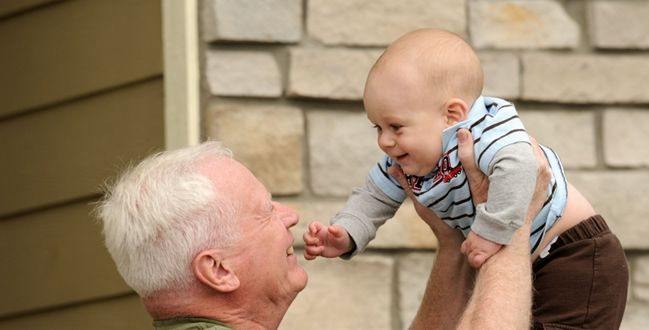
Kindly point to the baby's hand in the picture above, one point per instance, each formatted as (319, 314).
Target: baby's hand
(325, 241)
(477, 249)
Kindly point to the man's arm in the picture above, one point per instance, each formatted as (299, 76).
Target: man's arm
(502, 296)
(451, 279)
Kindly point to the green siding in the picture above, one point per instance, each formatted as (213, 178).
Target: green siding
(81, 97)
(117, 314)
(9, 7)
(54, 257)
(75, 48)
(66, 152)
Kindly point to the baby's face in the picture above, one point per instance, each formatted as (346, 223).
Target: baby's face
(408, 120)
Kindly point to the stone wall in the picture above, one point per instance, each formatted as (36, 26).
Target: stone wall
(285, 80)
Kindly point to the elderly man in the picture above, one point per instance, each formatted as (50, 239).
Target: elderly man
(198, 237)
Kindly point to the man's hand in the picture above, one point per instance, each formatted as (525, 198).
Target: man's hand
(478, 181)
(325, 241)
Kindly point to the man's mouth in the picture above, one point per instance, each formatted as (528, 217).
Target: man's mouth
(290, 251)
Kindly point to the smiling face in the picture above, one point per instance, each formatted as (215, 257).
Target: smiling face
(424, 82)
(408, 119)
(265, 262)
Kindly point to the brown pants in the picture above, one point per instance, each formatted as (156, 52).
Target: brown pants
(582, 283)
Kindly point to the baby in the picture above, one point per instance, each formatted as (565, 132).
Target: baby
(422, 93)
(419, 93)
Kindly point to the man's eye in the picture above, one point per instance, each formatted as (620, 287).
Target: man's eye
(395, 127)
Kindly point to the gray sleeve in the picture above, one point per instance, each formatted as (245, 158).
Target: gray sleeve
(512, 178)
(367, 208)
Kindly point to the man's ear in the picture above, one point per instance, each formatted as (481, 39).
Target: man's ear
(210, 269)
(456, 110)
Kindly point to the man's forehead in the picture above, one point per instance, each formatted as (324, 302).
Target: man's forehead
(228, 172)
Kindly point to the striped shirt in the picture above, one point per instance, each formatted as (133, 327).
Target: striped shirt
(494, 124)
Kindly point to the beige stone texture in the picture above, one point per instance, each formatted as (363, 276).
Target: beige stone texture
(621, 197)
(640, 278)
(521, 24)
(342, 149)
(252, 20)
(636, 316)
(619, 24)
(379, 22)
(501, 75)
(626, 132)
(571, 134)
(267, 139)
(414, 270)
(580, 78)
(243, 73)
(354, 294)
(330, 73)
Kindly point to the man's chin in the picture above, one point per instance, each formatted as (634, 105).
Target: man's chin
(300, 279)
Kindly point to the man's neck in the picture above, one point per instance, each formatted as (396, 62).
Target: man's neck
(229, 309)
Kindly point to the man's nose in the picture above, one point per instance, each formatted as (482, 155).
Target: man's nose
(288, 215)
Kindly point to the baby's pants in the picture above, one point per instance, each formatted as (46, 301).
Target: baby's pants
(582, 283)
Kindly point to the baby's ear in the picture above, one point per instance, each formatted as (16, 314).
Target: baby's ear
(456, 111)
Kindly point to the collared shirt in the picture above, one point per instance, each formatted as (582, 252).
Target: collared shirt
(190, 323)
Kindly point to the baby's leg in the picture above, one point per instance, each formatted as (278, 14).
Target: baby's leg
(583, 281)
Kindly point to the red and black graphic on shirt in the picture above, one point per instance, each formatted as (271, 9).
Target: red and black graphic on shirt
(445, 172)
(415, 182)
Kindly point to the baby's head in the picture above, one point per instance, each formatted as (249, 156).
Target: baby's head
(424, 82)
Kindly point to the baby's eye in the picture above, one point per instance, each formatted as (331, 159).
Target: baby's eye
(377, 127)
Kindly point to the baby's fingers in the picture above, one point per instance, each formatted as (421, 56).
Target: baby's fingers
(315, 227)
(311, 252)
(309, 239)
(476, 259)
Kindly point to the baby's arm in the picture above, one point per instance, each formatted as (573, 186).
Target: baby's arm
(512, 175)
(326, 241)
(367, 208)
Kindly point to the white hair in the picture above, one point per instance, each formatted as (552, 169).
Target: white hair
(161, 213)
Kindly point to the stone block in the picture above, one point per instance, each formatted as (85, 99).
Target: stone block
(330, 73)
(354, 294)
(580, 78)
(414, 270)
(521, 25)
(619, 24)
(640, 278)
(501, 75)
(267, 139)
(379, 22)
(636, 317)
(571, 134)
(342, 149)
(252, 20)
(620, 197)
(243, 73)
(626, 132)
